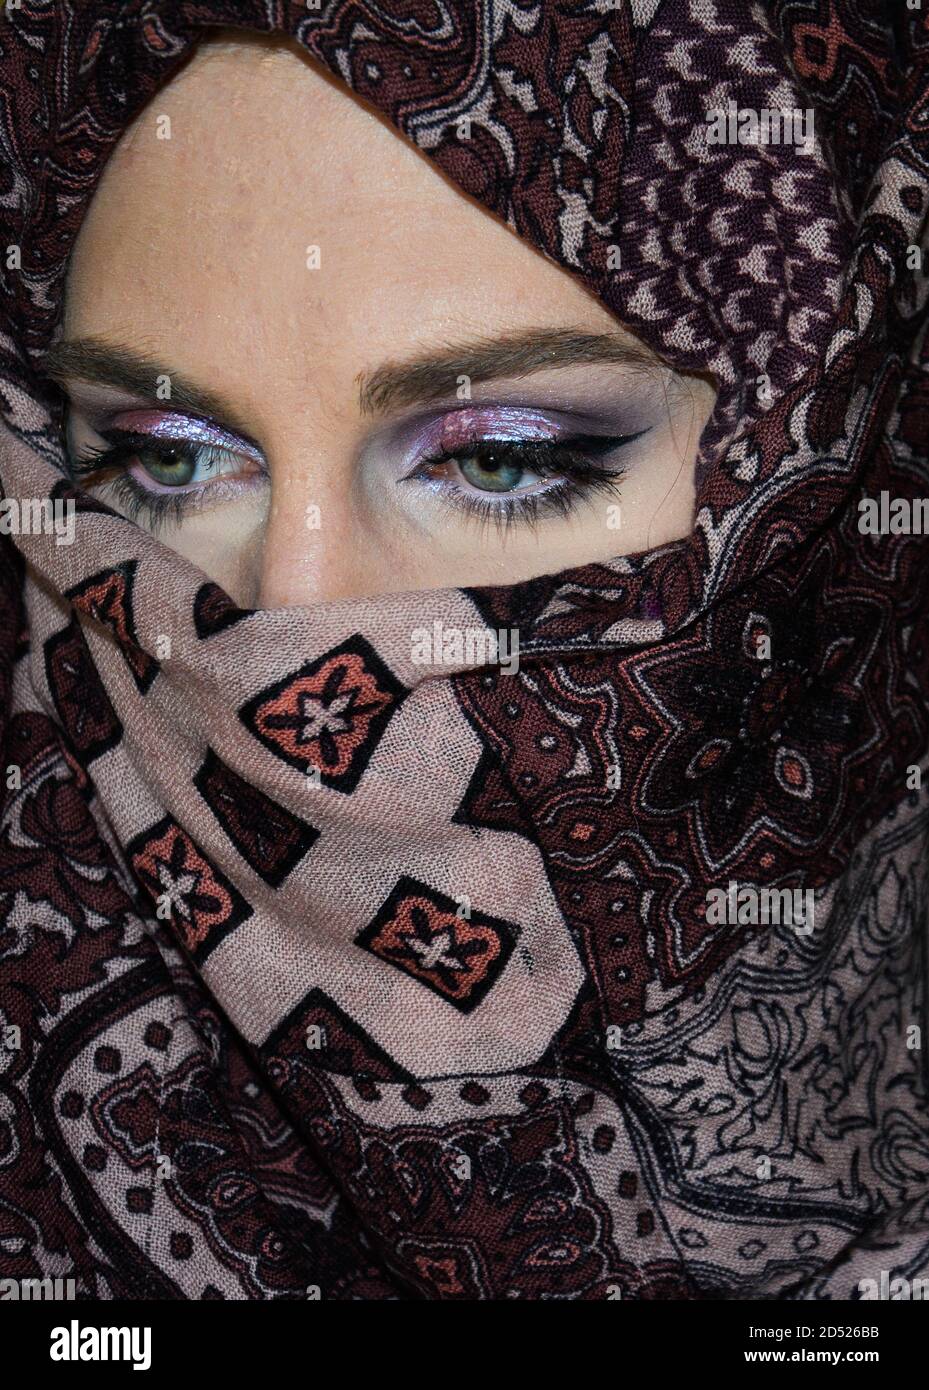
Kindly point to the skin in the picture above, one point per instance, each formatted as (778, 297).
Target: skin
(194, 253)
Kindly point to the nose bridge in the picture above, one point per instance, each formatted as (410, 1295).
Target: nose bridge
(312, 547)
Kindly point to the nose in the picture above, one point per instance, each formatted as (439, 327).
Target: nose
(313, 548)
(325, 539)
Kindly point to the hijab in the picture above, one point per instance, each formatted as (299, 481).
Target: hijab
(328, 972)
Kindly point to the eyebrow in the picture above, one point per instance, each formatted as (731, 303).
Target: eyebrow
(94, 360)
(429, 377)
(486, 359)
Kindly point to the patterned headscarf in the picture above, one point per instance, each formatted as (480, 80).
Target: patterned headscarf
(319, 1071)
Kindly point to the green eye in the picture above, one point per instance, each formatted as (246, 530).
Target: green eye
(170, 467)
(493, 471)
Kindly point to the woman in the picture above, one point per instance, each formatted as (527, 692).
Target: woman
(464, 833)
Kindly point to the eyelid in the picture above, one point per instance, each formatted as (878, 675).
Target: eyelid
(509, 511)
(569, 453)
(178, 428)
(423, 434)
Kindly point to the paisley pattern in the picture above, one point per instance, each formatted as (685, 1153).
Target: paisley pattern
(323, 971)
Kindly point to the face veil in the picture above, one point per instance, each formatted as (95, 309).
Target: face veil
(325, 966)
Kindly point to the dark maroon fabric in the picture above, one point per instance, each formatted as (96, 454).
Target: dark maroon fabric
(678, 1109)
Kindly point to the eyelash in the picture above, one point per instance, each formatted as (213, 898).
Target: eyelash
(157, 508)
(569, 459)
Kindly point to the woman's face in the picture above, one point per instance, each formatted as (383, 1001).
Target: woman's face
(314, 367)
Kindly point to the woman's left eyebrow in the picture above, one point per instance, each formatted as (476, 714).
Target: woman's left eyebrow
(435, 375)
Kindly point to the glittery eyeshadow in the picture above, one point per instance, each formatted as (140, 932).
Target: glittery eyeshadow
(181, 427)
(494, 422)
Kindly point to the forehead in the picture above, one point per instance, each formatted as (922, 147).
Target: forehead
(217, 195)
(269, 237)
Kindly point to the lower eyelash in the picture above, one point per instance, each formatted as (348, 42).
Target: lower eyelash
(157, 508)
(579, 479)
(562, 499)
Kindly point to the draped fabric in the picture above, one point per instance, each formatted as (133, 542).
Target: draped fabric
(316, 1073)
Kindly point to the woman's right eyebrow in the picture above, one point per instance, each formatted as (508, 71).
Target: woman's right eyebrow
(110, 364)
(429, 376)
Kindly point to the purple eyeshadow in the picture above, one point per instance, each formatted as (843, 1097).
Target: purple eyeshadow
(449, 431)
(496, 422)
(181, 427)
